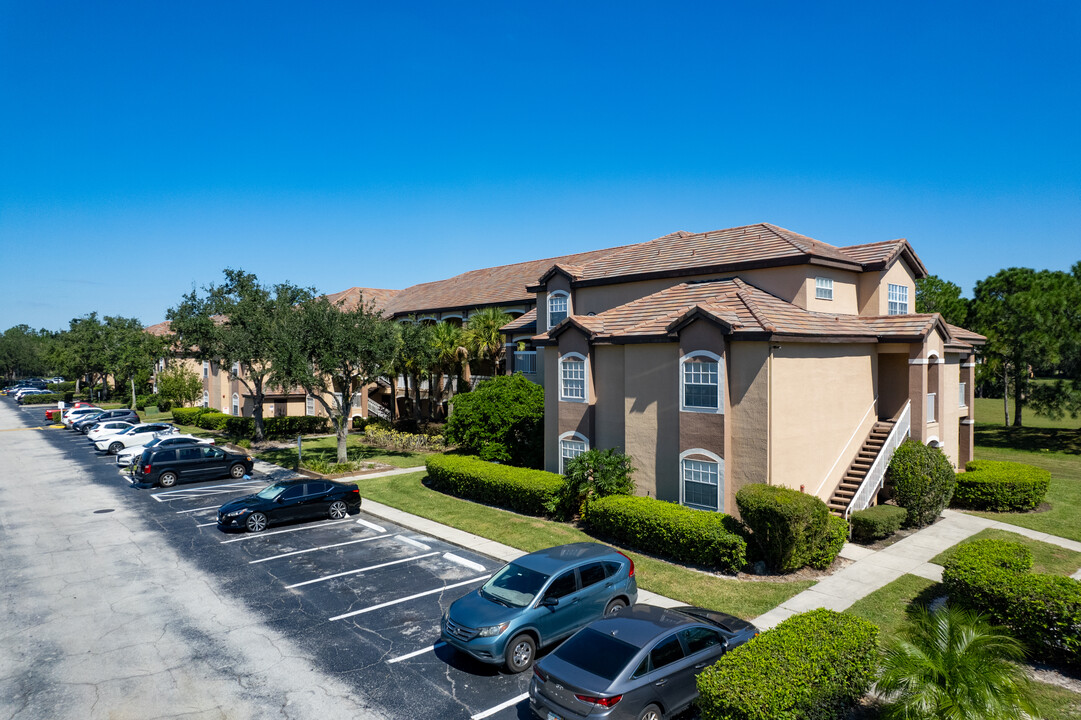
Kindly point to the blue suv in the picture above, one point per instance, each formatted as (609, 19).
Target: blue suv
(537, 600)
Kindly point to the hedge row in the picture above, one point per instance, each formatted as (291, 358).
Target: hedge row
(531, 492)
(245, 426)
(706, 538)
(992, 577)
(813, 666)
(50, 399)
(876, 522)
(1001, 486)
(790, 529)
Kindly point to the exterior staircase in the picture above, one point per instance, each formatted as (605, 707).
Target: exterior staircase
(859, 468)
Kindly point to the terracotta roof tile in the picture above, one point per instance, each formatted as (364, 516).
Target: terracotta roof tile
(522, 324)
(161, 329)
(351, 297)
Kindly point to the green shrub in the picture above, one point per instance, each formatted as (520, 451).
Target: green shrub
(359, 423)
(876, 523)
(992, 577)
(922, 481)
(144, 401)
(66, 386)
(164, 404)
(1001, 486)
(813, 666)
(501, 419)
(212, 420)
(385, 437)
(595, 474)
(187, 416)
(681, 533)
(790, 529)
(531, 492)
(293, 425)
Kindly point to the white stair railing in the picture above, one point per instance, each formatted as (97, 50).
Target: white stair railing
(876, 475)
(378, 410)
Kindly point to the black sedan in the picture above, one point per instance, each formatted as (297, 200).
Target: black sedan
(638, 665)
(287, 500)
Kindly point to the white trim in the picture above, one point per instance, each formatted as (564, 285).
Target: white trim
(928, 361)
(574, 437)
(548, 305)
(918, 361)
(234, 407)
(825, 286)
(713, 458)
(577, 357)
(964, 365)
(967, 421)
(719, 410)
(934, 439)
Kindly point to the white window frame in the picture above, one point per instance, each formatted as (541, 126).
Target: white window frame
(206, 369)
(206, 399)
(309, 405)
(823, 288)
(565, 296)
(897, 299)
(236, 405)
(692, 356)
(525, 361)
(576, 358)
(712, 458)
(236, 369)
(580, 441)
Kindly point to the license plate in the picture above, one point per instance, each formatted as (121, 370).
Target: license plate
(553, 716)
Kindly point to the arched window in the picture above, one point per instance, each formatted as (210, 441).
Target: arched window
(700, 383)
(236, 405)
(572, 378)
(206, 399)
(571, 445)
(701, 480)
(558, 307)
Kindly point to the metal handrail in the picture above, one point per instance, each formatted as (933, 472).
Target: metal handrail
(876, 475)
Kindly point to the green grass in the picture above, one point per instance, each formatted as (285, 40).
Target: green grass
(744, 598)
(989, 410)
(1046, 558)
(888, 606)
(326, 449)
(1056, 703)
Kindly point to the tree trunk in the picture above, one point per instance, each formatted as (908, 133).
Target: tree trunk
(393, 398)
(133, 402)
(1018, 402)
(1006, 393)
(342, 422)
(257, 411)
(416, 393)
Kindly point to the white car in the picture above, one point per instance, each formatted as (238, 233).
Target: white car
(20, 394)
(133, 435)
(73, 415)
(128, 455)
(107, 428)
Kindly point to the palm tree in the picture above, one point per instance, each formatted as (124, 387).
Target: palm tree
(451, 355)
(483, 335)
(951, 665)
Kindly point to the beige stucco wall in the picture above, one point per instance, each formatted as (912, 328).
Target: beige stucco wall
(551, 408)
(651, 407)
(874, 286)
(747, 417)
(845, 291)
(610, 383)
(823, 408)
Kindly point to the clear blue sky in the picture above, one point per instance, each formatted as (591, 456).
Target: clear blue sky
(145, 146)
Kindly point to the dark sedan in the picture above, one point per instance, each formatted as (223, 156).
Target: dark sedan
(639, 665)
(287, 500)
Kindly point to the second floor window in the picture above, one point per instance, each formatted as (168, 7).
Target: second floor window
(701, 381)
(898, 299)
(206, 368)
(572, 378)
(557, 308)
(823, 288)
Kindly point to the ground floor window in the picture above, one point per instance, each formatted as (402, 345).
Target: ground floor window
(571, 446)
(206, 399)
(702, 480)
(309, 405)
(236, 404)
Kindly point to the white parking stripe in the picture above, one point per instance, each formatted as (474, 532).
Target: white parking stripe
(206, 524)
(413, 654)
(360, 570)
(501, 706)
(321, 547)
(251, 536)
(202, 509)
(201, 492)
(414, 543)
(465, 563)
(372, 526)
(407, 599)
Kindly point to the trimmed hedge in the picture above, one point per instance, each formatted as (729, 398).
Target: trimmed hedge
(876, 523)
(1001, 486)
(923, 481)
(992, 577)
(813, 666)
(531, 492)
(681, 533)
(187, 416)
(50, 399)
(245, 426)
(790, 529)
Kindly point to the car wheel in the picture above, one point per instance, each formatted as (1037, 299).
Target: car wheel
(256, 522)
(338, 510)
(115, 447)
(237, 471)
(519, 653)
(167, 479)
(614, 607)
(652, 712)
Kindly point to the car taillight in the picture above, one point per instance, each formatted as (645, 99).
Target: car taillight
(355, 491)
(146, 468)
(631, 573)
(603, 702)
(541, 675)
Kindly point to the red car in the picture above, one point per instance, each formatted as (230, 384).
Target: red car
(55, 413)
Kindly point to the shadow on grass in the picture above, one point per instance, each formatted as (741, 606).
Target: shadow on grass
(1029, 438)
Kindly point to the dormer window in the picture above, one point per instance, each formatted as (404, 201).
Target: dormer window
(898, 299)
(823, 288)
(558, 307)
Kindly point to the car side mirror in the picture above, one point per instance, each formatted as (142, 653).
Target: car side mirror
(549, 602)
(278, 499)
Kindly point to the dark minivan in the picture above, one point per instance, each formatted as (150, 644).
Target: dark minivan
(166, 466)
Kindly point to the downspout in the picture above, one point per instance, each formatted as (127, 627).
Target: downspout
(769, 416)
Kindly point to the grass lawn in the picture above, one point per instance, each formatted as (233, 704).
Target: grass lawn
(989, 410)
(747, 599)
(326, 448)
(1046, 558)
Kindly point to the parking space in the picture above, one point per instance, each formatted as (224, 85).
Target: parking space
(367, 596)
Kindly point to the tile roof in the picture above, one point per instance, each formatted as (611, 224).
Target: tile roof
(349, 298)
(525, 323)
(745, 310)
(965, 336)
(161, 329)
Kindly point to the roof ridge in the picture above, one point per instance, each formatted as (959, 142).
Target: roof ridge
(752, 307)
(783, 236)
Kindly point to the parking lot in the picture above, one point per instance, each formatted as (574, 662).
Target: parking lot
(360, 596)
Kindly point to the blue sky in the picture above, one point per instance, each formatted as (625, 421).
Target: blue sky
(145, 146)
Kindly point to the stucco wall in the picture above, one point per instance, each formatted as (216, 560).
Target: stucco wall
(651, 409)
(747, 418)
(845, 292)
(610, 382)
(873, 288)
(551, 408)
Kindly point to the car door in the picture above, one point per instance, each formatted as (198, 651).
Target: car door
(596, 590)
(665, 658)
(215, 463)
(287, 505)
(701, 646)
(316, 501)
(562, 617)
(189, 463)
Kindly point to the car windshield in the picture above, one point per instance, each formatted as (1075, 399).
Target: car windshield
(596, 653)
(514, 585)
(269, 493)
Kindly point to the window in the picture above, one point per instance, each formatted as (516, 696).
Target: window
(562, 586)
(572, 378)
(898, 299)
(294, 493)
(525, 361)
(206, 399)
(206, 368)
(961, 395)
(665, 653)
(930, 407)
(309, 405)
(571, 445)
(823, 288)
(236, 368)
(698, 639)
(592, 574)
(701, 380)
(701, 479)
(557, 307)
(236, 404)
